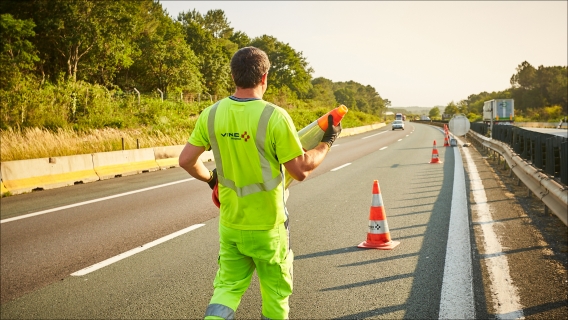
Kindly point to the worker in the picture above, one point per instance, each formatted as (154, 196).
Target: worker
(251, 140)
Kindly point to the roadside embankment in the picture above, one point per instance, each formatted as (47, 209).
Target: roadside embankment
(22, 176)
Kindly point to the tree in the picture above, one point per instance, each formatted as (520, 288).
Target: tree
(77, 36)
(346, 96)
(362, 98)
(168, 62)
(537, 88)
(216, 23)
(288, 67)
(17, 54)
(451, 109)
(434, 113)
(525, 77)
(240, 38)
(213, 53)
(322, 91)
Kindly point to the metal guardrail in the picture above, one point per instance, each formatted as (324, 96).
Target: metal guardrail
(552, 193)
(546, 152)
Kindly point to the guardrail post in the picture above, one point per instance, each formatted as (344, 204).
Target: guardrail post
(161, 94)
(564, 162)
(138, 93)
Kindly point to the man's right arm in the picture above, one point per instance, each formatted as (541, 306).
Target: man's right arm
(300, 167)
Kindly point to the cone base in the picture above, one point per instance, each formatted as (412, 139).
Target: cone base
(437, 161)
(384, 246)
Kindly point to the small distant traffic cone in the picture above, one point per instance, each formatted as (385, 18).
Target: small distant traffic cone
(435, 157)
(446, 141)
(378, 236)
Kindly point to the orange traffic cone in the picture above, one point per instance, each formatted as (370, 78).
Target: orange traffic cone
(435, 157)
(446, 141)
(378, 236)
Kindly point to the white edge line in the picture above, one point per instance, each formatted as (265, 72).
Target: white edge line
(374, 135)
(383, 148)
(456, 298)
(343, 166)
(134, 251)
(92, 201)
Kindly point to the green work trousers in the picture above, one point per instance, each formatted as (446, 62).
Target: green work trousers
(240, 253)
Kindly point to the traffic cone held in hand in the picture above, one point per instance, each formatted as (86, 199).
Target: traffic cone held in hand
(378, 236)
(435, 157)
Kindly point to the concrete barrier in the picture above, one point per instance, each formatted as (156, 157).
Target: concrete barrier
(357, 130)
(123, 163)
(46, 173)
(168, 157)
(3, 189)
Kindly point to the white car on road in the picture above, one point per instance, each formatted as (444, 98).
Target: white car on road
(398, 124)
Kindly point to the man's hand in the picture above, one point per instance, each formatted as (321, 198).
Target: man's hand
(213, 180)
(332, 131)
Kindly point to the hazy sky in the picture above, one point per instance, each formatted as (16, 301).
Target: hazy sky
(414, 53)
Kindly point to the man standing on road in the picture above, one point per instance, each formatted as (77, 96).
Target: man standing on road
(251, 140)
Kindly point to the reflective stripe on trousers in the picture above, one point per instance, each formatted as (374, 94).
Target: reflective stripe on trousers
(219, 310)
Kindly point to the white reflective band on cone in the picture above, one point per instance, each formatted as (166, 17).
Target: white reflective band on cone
(377, 200)
(378, 226)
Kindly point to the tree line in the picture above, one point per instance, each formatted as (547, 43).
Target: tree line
(540, 94)
(60, 58)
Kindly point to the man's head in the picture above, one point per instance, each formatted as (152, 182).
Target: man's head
(248, 65)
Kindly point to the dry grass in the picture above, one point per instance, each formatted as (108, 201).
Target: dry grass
(40, 143)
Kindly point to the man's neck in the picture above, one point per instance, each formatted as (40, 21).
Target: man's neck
(249, 93)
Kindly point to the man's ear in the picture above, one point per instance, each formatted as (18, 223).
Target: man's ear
(264, 78)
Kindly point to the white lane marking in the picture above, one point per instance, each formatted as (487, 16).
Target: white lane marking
(92, 201)
(343, 166)
(407, 135)
(399, 139)
(134, 251)
(334, 145)
(457, 300)
(376, 134)
(383, 148)
(505, 298)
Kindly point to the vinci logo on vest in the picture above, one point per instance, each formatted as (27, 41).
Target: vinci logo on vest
(236, 136)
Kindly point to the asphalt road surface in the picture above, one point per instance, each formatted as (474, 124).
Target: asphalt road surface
(157, 234)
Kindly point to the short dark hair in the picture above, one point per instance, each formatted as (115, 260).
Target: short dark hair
(248, 65)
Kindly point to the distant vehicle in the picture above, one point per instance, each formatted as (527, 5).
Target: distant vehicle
(424, 118)
(398, 116)
(502, 111)
(403, 118)
(398, 124)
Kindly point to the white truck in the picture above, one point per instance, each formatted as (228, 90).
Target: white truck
(501, 111)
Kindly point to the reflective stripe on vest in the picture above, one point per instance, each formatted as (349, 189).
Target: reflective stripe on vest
(268, 183)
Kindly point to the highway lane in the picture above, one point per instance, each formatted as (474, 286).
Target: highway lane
(329, 218)
(40, 250)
